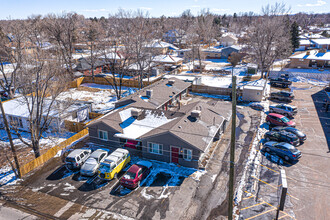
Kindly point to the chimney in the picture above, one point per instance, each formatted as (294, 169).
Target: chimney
(195, 114)
(149, 93)
(136, 112)
(308, 53)
(171, 81)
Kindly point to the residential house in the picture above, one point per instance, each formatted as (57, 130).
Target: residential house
(183, 136)
(173, 36)
(84, 66)
(160, 95)
(225, 52)
(211, 53)
(17, 112)
(322, 43)
(228, 40)
(310, 59)
(160, 47)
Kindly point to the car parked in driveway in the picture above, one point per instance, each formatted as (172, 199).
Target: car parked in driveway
(77, 158)
(282, 96)
(284, 109)
(282, 136)
(135, 174)
(279, 120)
(302, 137)
(287, 151)
(257, 106)
(89, 168)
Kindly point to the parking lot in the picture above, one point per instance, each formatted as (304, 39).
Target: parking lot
(308, 179)
(169, 192)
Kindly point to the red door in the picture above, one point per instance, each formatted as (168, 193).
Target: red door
(174, 154)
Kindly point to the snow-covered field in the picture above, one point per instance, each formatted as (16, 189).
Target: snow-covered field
(102, 100)
(7, 176)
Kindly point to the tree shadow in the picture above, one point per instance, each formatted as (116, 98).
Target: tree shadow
(61, 173)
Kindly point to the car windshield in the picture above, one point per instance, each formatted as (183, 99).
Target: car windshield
(285, 119)
(70, 159)
(129, 176)
(300, 134)
(104, 167)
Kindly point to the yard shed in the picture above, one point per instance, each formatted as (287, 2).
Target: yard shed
(252, 93)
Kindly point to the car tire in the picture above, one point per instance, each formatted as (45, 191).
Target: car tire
(267, 149)
(286, 158)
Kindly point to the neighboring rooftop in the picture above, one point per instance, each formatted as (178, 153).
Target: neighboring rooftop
(312, 55)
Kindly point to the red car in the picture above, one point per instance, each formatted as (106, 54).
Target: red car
(279, 120)
(135, 174)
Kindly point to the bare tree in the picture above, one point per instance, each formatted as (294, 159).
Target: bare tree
(269, 39)
(12, 46)
(41, 79)
(234, 58)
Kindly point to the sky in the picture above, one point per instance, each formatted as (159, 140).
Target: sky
(20, 9)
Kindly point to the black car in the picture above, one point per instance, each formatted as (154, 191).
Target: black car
(280, 82)
(282, 96)
(282, 136)
(302, 137)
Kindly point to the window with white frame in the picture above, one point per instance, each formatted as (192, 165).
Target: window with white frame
(187, 154)
(155, 148)
(103, 135)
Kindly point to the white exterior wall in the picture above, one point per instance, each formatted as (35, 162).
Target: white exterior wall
(252, 95)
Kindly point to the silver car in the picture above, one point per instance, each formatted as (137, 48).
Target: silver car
(92, 164)
(77, 158)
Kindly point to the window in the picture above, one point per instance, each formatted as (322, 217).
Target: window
(103, 135)
(187, 154)
(155, 148)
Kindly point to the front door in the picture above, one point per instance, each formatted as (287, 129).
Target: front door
(174, 154)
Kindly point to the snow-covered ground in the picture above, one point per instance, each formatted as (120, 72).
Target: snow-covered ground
(49, 139)
(314, 82)
(306, 71)
(102, 100)
(7, 176)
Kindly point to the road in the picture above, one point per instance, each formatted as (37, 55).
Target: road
(10, 213)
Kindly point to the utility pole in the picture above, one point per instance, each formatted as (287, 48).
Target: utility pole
(18, 173)
(232, 151)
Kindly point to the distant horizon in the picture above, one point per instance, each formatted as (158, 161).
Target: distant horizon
(20, 9)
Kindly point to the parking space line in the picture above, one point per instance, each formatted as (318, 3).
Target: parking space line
(273, 209)
(264, 182)
(269, 168)
(271, 205)
(274, 187)
(248, 197)
(251, 206)
(283, 216)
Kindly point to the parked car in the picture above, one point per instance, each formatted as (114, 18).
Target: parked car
(280, 82)
(257, 106)
(113, 164)
(279, 120)
(90, 167)
(284, 109)
(135, 174)
(282, 96)
(302, 137)
(282, 136)
(284, 150)
(77, 158)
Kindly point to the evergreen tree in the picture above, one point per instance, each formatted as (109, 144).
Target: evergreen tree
(294, 35)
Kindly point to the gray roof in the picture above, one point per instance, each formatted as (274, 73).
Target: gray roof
(162, 92)
(196, 132)
(85, 64)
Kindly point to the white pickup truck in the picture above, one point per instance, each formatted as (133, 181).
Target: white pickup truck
(284, 109)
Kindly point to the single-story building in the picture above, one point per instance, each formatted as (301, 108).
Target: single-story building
(18, 114)
(311, 59)
(252, 93)
(212, 53)
(225, 52)
(228, 40)
(84, 66)
(159, 95)
(183, 136)
(322, 43)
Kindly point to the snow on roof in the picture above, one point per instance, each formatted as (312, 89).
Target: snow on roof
(250, 87)
(111, 55)
(304, 42)
(167, 59)
(18, 107)
(135, 128)
(181, 77)
(313, 55)
(160, 44)
(321, 41)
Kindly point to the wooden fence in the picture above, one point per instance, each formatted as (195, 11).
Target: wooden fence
(51, 153)
(76, 127)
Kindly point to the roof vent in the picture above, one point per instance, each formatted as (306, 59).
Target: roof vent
(195, 113)
(149, 92)
(171, 81)
(136, 112)
(308, 53)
